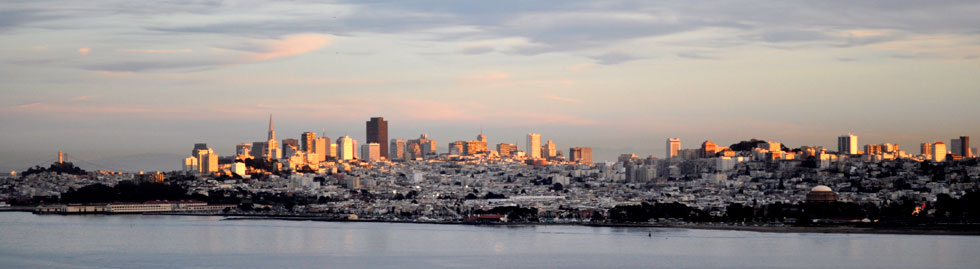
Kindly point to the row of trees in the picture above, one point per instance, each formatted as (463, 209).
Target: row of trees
(125, 191)
(61, 168)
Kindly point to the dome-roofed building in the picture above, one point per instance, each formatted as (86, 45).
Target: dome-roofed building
(821, 194)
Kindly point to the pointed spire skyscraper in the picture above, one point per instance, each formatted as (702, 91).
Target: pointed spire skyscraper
(272, 130)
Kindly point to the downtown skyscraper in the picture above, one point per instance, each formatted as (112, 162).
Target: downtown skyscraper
(377, 132)
(534, 145)
(673, 146)
(847, 144)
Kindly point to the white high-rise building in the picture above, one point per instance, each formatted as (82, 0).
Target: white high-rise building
(673, 146)
(346, 148)
(534, 145)
(847, 144)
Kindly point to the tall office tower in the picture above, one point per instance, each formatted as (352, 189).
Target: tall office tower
(198, 146)
(209, 164)
(961, 146)
(549, 150)
(955, 146)
(190, 164)
(320, 146)
(847, 144)
(456, 148)
(259, 149)
(332, 152)
(939, 152)
(673, 145)
(290, 146)
(377, 132)
(580, 155)
(506, 150)
(534, 145)
(271, 149)
(345, 148)
(371, 152)
(207, 160)
(397, 149)
(243, 150)
(708, 149)
(926, 149)
(482, 137)
(272, 130)
(307, 142)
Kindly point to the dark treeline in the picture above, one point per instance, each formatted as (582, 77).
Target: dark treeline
(645, 211)
(513, 213)
(945, 210)
(125, 191)
(61, 168)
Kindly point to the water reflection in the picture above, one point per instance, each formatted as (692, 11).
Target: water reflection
(175, 241)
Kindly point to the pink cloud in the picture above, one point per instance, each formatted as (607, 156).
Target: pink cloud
(84, 51)
(290, 46)
(154, 50)
(486, 79)
(559, 98)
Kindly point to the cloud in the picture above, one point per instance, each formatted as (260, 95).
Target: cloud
(560, 98)
(477, 50)
(84, 51)
(289, 46)
(695, 55)
(612, 58)
(154, 50)
(247, 52)
(486, 79)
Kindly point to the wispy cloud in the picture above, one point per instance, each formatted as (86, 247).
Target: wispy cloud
(485, 79)
(559, 98)
(84, 51)
(612, 58)
(247, 52)
(155, 50)
(289, 46)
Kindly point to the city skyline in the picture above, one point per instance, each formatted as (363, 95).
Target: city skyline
(843, 141)
(101, 78)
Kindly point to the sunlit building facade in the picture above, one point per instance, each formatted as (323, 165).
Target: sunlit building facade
(847, 144)
(534, 145)
(580, 155)
(673, 146)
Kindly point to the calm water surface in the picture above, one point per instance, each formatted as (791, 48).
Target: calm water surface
(136, 241)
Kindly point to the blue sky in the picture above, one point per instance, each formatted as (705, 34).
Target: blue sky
(109, 80)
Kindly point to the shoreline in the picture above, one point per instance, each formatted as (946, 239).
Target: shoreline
(926, 230)
(960, 229)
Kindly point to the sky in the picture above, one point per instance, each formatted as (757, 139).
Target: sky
(132, 85)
